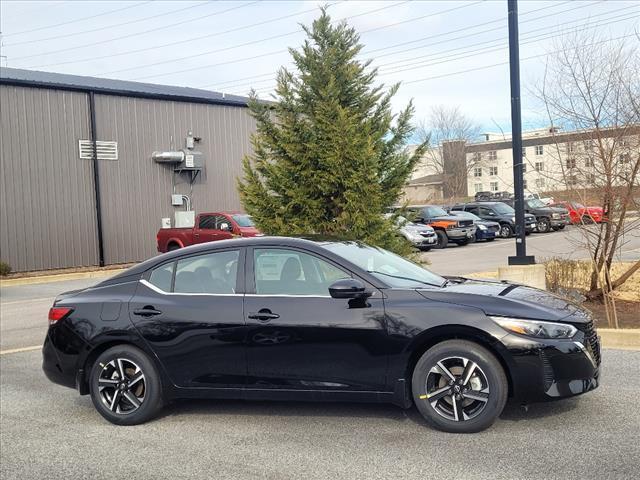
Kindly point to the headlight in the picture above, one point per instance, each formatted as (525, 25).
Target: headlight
(482, 227)
(536, 328)
(513, 219)
(555, 215)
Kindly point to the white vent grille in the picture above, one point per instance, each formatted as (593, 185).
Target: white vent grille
(105, 150)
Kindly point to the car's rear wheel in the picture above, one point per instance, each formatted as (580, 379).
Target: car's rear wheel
(125, 386)
(443, 240)
(172, 247)
(460, 387)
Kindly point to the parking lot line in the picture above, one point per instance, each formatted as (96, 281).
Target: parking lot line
(20, 350)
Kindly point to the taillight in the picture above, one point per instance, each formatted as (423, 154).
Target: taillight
(58, 313)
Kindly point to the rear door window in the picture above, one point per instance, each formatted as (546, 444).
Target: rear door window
(207, 222)
(214, 273)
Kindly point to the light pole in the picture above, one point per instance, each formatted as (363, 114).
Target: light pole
(521, 257)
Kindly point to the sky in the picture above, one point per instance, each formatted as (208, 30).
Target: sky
(449, 52)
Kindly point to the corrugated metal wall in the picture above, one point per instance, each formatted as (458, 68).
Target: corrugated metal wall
(47, 213)
(135, 191)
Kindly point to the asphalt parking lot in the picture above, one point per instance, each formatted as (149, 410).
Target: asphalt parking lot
(48, 431)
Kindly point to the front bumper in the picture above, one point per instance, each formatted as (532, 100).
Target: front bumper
(557, 222)
(546, 370)
(485, 234)
(422, 241)
(464, 233)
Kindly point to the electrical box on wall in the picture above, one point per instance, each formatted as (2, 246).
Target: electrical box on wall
(185, 219)
(166, 222)
(176, 200)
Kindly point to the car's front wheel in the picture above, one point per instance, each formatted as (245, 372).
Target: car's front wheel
(125, 386)
(506, 231)
(460, 387)
(443, 239)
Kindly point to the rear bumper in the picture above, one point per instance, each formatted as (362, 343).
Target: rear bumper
(62, 356)
(552, 369)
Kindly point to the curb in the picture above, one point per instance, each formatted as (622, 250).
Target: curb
(11, 282)
(623, 338)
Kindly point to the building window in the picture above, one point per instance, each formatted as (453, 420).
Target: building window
(493, 155)
(539, 182)
(588, 145)
(571, 163)
(477, 157)
(477, 172)
(572, 180)
(493, 186)
(588, 162)
(539, 150)
(493, 171)
(539, 166)
(591, 178)
(623, 158)
(478, 187)
(571, 147)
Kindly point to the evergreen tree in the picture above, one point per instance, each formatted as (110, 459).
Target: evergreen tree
(329, 156)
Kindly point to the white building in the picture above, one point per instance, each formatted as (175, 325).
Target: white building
(552, 161)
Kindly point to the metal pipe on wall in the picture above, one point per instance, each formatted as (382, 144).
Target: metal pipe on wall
(96, 177)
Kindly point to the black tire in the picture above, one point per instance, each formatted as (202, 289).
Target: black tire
(561, 227)
(462, 243)
(172, 247)
(506, 231)
(147, 390)
(481, 414)
(424, 249)
(443, 240)
(544, 226)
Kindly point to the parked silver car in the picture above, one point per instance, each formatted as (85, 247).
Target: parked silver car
(421, 236)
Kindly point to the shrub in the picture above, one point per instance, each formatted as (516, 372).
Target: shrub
(5, 268)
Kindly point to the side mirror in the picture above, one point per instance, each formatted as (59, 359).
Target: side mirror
(226, 227)
(348, 288)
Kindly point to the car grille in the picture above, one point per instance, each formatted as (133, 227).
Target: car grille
(494, 228)
(465, 223)
(591, 341)
(428, 234)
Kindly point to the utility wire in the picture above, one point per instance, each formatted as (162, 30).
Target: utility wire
(179, 42)
(475, 34)
(116, 25)
(135, 34)
(484, 67)
(76, 20)
(287, 34)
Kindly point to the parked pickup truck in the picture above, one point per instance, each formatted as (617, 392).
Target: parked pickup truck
(209, 227)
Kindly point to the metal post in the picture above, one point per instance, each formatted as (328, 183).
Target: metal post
(96, 178)
(521, 257)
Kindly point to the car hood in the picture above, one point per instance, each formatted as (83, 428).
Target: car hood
(508, 300)
(486, 223)
(413, 228)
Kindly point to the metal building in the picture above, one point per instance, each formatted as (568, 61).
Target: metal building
(61, 207)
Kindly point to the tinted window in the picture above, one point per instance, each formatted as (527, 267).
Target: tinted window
(212, 273)
(220, 219)
(430, 212)
(289, 272)
(207, 222)
(161, 277)
(503, 209)
(485, 212)
(474, 210)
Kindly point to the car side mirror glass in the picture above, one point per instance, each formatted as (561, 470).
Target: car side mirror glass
(225, 226)
(348, 288)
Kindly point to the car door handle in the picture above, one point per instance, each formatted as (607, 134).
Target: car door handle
(147, 312)
(263, 315)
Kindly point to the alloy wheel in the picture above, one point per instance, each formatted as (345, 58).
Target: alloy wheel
(122, 386)
(457, 389)
(505, 231)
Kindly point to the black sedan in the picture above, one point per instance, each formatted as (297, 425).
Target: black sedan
(283, 318)
(485, 230)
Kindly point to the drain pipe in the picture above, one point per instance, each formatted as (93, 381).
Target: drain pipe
(96, 177)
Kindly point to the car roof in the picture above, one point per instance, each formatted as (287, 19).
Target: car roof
(310, 242)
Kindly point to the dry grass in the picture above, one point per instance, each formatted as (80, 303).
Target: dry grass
(573, 274)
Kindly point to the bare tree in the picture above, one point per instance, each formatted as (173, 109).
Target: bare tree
(448, 124)
(592, 87)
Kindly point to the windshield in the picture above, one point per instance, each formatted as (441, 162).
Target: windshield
(535, 203)
(390, 268)
(503, 209)
(431, 212)
(243, 220)
(468, 215)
